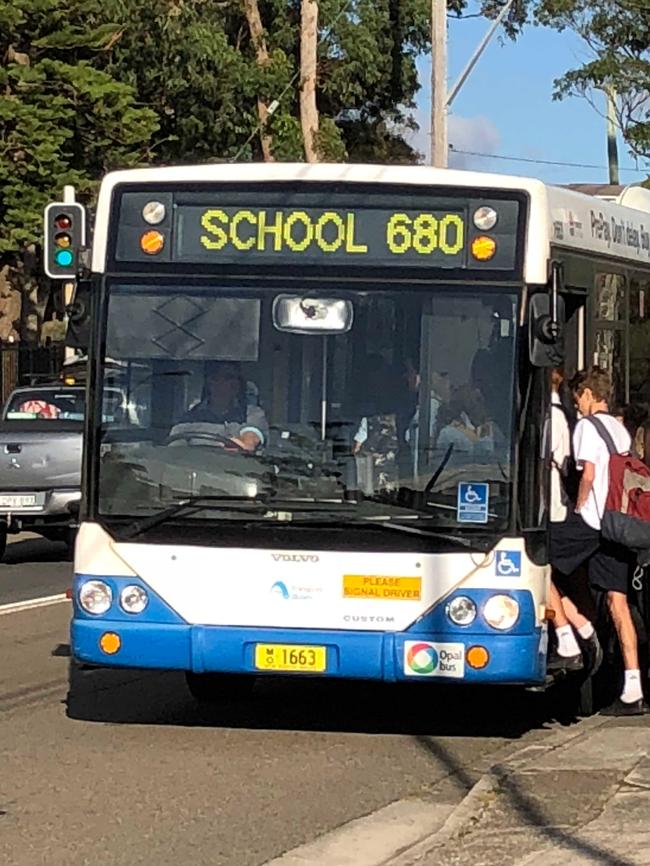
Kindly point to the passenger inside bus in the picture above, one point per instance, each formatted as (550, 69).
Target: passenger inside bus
(224, 411)
(377, 438)
(466, 423)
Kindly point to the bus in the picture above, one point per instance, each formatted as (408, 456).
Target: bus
(340, 377)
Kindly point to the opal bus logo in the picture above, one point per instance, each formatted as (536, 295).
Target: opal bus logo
(425, 659)
(422, 658)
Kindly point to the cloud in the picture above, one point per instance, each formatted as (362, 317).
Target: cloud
(475, 134)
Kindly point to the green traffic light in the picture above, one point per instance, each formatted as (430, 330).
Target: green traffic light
(63, 258)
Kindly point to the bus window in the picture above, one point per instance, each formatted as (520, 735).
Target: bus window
(608, 335)
(639, 340)
(610, 297)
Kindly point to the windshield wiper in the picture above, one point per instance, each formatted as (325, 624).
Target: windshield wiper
(259, 506)
(471, 544)
(388, 522)
(245, 504)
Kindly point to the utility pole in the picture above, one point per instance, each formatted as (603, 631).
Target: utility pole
(612, 145)
(439, 146)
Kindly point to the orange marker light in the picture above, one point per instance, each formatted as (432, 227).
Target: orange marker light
(477, 657)
(110, 643)
(152, 242)
(484, 248)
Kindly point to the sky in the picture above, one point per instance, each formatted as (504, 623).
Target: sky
(506, 107)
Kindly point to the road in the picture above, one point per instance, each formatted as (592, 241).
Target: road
(33, 567)
(123, 768)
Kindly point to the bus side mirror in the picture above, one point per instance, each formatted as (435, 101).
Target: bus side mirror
(545, 330)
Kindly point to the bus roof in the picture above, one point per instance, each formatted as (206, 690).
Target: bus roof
(612, 222)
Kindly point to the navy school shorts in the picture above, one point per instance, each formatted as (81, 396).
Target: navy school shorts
(574, 543)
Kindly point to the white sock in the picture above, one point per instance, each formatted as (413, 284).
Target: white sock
(567, 645)
(632, 688)
(586, 631)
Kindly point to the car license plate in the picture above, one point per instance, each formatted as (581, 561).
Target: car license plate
(19, 500)
(290, 657)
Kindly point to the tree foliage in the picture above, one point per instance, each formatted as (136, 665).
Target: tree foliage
(63, 119)
(618, 34)
(194, 62)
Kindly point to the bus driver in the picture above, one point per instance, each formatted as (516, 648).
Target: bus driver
(224, 409)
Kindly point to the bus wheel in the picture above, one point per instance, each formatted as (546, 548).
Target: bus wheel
(3, 539)
(215, 688)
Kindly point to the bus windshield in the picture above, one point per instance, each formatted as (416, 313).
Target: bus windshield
(401, 397)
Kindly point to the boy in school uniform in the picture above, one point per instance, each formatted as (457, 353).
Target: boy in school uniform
(608, 564)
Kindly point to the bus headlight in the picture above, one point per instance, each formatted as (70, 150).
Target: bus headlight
(461, 610)
(501, 611)
(133, 599)
(485, 218)
(95, 596)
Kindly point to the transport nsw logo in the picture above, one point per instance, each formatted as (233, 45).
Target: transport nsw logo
(382, 588)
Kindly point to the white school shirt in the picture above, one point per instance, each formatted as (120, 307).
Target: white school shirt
(589, 446)
(560, 450)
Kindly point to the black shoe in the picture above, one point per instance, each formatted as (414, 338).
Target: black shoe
(570, 664)
(593, 653)
(625, 708)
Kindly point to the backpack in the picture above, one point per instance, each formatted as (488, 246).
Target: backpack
(568, 471)
(626, 518)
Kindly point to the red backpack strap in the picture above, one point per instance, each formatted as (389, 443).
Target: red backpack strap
(604, 433)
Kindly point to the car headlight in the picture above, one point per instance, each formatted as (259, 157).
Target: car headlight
(461, 610)
(133, 599)
(501, 611)
(95, 596)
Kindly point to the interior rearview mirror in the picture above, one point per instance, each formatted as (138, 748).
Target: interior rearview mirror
(545, 330)
(312, 315)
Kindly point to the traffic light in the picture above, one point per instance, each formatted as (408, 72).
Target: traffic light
(65, 235)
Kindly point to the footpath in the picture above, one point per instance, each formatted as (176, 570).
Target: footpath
(583, 799)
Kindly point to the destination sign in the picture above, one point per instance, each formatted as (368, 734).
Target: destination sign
(310, 235)
(305, 226)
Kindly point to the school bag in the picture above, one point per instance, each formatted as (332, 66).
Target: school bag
(626, 519)
(567, 470)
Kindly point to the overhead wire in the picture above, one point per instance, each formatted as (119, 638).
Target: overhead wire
(534, 161)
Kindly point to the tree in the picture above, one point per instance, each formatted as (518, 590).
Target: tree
(62, 121)
(309, 120)
(206, 68)
(618, 34)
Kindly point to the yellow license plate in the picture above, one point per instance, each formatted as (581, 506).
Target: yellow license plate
(290, 657)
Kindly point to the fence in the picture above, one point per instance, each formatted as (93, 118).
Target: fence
(22, 364)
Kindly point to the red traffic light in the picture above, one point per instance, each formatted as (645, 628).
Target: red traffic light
(62, 221)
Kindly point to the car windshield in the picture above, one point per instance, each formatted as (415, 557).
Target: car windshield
(401, 398)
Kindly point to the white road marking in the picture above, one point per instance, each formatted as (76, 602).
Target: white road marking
(31, 603)
(372, 840)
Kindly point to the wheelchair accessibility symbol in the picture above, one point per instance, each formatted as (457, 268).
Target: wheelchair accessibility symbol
(508, 563)
(472, 505)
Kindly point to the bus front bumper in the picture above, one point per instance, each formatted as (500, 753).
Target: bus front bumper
(385, 656)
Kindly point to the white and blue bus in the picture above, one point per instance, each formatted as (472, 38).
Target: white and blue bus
(367, 495)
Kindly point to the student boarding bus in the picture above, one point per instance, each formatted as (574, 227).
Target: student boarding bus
(341, 377)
